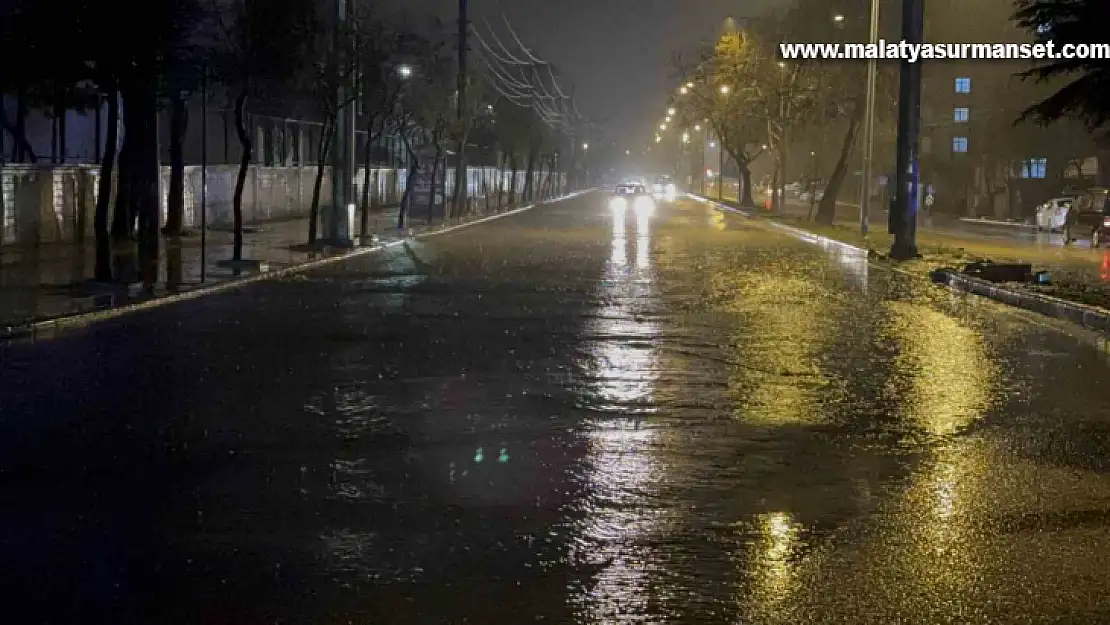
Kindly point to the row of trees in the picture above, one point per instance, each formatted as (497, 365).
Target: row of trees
(757, 103)
(278, 57)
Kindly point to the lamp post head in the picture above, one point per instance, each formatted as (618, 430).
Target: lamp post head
(404, 71)
(724, 89)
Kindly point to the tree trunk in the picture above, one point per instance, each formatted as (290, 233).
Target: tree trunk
(63, 132)
(432, 186)
(244, 135)
(19, 141)
(103, 269)
(486, 187)
(21, 148)
(530, 177)
(406, 197)
(512, 180)
(140, 110)
(58, 113)
(826, 211)
(364, 205)
(321, 163)
(775, 184)
(175, 196)
(501, 180)
(123, 214)
(746, 198)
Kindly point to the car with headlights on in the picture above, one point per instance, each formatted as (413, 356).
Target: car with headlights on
(664, 187)
(631, 194)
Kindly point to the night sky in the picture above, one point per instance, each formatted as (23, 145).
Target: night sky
(618, 53)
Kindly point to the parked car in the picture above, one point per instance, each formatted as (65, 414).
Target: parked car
(1089, 217)
(1053, 214)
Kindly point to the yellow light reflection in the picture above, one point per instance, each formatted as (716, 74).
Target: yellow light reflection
(779, 378)
(772, 563)
(945, 366)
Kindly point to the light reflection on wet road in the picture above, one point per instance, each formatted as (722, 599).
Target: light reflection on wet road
(575, 415)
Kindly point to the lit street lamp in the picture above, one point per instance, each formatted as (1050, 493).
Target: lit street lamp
(684, 90)
(686, 137)
(585, 146)
(689, 85)
(724, 89)
(671, 111)
(404, 71)
(838, 18)
(662, 126)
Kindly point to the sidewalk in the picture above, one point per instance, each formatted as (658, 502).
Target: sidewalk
(54, 281)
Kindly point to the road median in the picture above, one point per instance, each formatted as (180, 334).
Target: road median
(1074, 293)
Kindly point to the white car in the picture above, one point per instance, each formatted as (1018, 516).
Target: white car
(1052, 214)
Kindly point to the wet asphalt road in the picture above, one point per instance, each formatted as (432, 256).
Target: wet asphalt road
(565, 416)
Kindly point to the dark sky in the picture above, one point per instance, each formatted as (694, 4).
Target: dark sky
(617, 52)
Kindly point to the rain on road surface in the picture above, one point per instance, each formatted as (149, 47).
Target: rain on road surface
(568, 416)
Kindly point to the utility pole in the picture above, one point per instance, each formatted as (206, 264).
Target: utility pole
(461, 179)
(869, 125)
(704, 147)
(343, 147)
(903, 214)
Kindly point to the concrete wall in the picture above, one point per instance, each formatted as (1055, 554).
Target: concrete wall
(51, 204)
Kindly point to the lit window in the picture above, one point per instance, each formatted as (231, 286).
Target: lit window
(959, 144)
(1034, 168)
(962, 114)
(963, 85)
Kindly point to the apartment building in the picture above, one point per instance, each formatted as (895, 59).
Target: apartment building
(976, 153)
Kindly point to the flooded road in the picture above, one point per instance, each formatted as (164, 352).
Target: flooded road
(573, 415)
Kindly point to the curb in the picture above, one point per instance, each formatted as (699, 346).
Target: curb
(34, 328)
(1087, 316)
(798, 233)
(993, 222)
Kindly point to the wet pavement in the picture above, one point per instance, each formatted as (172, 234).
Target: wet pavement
(572, 415)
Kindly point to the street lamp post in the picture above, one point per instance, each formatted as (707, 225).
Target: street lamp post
(869, 125)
